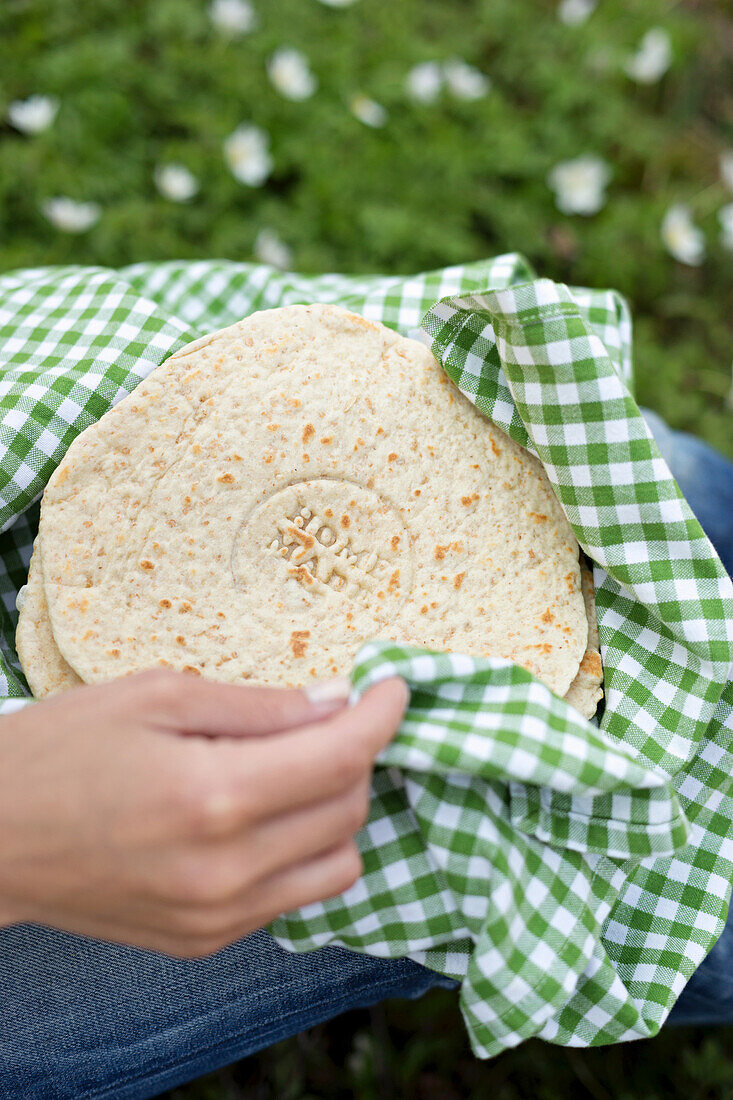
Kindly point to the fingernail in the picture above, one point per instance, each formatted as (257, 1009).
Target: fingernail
(337, 690)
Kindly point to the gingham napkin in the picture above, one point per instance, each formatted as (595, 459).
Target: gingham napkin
(572, 875)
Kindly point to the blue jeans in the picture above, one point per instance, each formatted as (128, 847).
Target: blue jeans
(84, 1019)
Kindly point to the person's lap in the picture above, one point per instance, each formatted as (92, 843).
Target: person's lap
(86, 1019)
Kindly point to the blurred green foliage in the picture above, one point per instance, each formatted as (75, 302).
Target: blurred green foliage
(404, 1050)
(145, 82)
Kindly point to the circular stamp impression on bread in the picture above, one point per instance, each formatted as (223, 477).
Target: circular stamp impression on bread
(322, 545)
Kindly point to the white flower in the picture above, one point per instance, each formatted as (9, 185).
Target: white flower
(233, 16)
(725, 217)
(464, 80)
(575, 12)
(681, 236)
(33, 114)
(270, 249)
(425, 81)
(247, 152)
(337, 3)
(368, 111)
(652, 58)
(726, 168)
(580, 184)
(290, 74)
(70, 216)
(175, 182)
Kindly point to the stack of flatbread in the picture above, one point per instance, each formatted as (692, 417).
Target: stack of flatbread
(280, 491)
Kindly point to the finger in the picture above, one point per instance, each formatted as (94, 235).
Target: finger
(323, 877)
(301, 767)
(190, 930)
(192, 705)
(303, 834)
(317, 879)
(232, 866)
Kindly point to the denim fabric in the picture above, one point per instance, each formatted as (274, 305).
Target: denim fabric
(84, 1019)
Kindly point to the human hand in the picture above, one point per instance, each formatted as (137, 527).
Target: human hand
(173, 813)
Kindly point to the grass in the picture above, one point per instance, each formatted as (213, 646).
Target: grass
(142, 84)
(417, 1051)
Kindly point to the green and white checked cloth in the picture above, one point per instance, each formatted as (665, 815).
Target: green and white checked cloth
(572, 874)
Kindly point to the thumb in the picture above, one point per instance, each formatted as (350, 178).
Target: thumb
(204, 707)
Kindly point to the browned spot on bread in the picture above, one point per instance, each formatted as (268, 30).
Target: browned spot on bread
(185, 607)
(113, 652)
(392, 456)
(424, 609)
(417, 492)
(394, 541)
(440, 552)
(272, 427)
(345, 521)
(192, 669)
(196, 448)
(302, 536)
(180, 639)
(299, 642)
(571, 582)
(220, 615)
(394, 581)
(538, 517)
(268, 459)
(326, 439)
(301, 574)
(591, 664)
(458, 580)
(145, 564)
(164, 603)
(469, 499)
(544, 647)
(495, 449)
(328, 513)
(308, 432)
(380, 431)
(547, 617)
(226, 479)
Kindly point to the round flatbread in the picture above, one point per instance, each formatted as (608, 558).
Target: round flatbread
(278, 492)
(48, 673)
(586, 692)
(45, 669)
